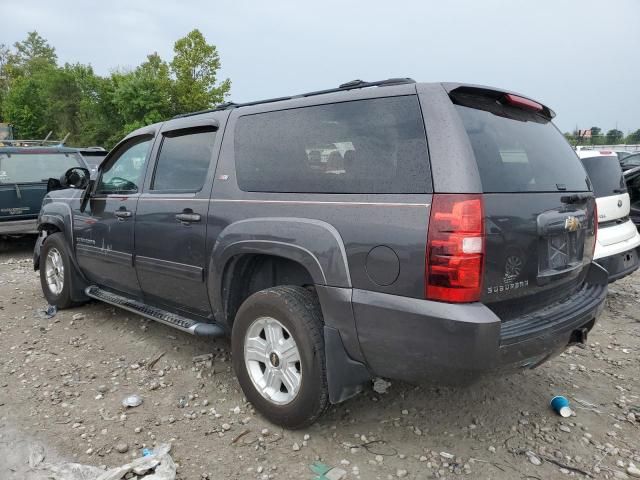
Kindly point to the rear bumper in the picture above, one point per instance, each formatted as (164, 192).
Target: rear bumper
(19, 227)
(422, 341)
(621, 264)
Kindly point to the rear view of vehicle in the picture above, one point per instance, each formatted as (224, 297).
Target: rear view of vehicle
(509, 278)
(618, 238)
(24, 172)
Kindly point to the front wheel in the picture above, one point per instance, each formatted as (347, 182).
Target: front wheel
(278, 355)
(55, 272)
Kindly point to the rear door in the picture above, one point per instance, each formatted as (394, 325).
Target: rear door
(171, 220)
(539, 210)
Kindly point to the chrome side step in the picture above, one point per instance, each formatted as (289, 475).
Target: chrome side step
(188, 325)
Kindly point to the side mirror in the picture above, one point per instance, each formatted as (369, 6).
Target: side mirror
(76, 177)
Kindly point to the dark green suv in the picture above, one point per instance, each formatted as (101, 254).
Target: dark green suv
(24, 172)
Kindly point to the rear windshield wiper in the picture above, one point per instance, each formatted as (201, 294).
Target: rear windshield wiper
(18, 192)
(619, 190)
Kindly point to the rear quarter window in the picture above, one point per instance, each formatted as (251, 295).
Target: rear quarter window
(515, 155)
(363, 146)
(605, 175)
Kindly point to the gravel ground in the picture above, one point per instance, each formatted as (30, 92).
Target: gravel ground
(62, 381)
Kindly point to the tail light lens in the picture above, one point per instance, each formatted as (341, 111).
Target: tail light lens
(595, 228)
(455, 248)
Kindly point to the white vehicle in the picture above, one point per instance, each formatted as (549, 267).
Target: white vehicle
(618, 240)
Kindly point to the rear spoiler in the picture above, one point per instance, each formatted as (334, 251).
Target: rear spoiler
(485, 97)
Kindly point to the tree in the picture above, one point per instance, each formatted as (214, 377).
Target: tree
(614, 136)
(4, 79)
(195, 65)
(32, 53)
(595, 136)
(37, 95)
(634, 137)
(143, 96)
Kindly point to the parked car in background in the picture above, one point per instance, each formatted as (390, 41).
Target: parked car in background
(93, 156)
(24, 173)
(622, 154)
(618, 239)
(630, 161)
(632, 178)
(438, 264)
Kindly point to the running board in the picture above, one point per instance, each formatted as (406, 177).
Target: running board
(201, 329)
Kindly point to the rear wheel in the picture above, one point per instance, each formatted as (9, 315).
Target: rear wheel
(55, 272)
(278, 355)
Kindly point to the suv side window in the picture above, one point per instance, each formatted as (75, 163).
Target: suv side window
(363, 146)
(124, 173)
(184, 160)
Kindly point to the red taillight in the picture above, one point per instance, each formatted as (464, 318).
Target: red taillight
(595, 228)
(455, 248)
(605, 152)
(522, 102)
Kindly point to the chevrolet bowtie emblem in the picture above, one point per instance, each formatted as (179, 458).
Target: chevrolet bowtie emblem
(571, 224)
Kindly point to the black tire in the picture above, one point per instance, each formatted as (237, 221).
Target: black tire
(63, 298)
(299, 311)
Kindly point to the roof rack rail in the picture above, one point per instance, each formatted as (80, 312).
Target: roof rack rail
(35, 143)
(353, 84)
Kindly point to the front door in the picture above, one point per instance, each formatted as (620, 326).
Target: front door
(104, 231)
(171, 220)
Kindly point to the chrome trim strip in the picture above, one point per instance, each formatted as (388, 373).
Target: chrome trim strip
(113, 256)
(322, 202)
(174, 269)
(293, 202)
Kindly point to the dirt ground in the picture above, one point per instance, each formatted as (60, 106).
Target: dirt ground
(62, 381)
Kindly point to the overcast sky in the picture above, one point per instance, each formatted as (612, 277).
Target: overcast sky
(580, 57)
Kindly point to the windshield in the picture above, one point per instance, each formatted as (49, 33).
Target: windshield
(35, 167)
(521, 156)
(605, 175)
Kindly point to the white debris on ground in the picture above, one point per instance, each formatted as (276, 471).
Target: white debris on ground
(158, 465)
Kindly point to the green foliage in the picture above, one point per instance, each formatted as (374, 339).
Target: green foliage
(37, 95)
(194, 65)
(614, 136)
(634, 137)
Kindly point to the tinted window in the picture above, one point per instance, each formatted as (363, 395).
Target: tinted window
(605, 175)
(521, 156)
(184, 160)
(631, 161)
(364, 146)
(124, 174)
(35, 167)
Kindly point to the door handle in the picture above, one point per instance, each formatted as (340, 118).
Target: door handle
(188, 217)
(122, 214)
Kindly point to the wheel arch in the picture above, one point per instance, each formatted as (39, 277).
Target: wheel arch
(296, 245)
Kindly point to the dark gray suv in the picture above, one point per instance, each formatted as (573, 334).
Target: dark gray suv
(422, 232)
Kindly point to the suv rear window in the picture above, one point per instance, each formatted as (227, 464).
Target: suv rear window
(605, 175)
(36, 167)
(363, 146)
(521, 156)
